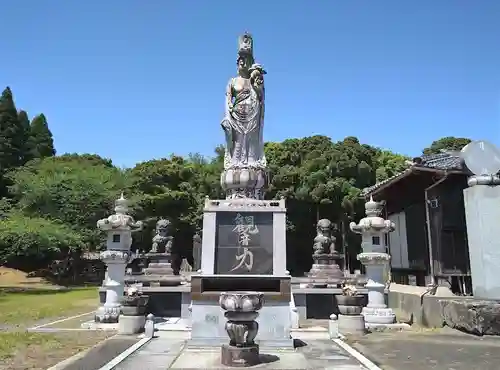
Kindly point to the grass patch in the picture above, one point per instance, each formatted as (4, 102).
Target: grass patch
(12, 342)
(23, 350)
(33, 305)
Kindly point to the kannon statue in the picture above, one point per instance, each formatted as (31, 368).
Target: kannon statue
(243, 124)
(243, 121)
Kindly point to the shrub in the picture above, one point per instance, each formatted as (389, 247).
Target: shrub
(33, 242)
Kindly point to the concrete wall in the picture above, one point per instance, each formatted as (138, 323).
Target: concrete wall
(410, 304)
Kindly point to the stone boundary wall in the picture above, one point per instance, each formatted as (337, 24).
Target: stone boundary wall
(413, 305)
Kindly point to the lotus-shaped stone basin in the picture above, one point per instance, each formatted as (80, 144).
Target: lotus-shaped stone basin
(241, 301)
(135, 301)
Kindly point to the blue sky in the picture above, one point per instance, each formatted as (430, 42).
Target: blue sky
(136, 80)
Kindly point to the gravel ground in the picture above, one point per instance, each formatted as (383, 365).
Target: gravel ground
(443, 349)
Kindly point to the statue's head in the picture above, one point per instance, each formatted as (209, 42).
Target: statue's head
(244, 63)
(162, 225)
(324, 227)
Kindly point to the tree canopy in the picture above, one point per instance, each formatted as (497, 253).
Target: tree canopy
(450, 143)
(51, 203)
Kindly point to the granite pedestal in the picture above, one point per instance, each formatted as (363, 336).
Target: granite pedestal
(326, 268)
(159, 271)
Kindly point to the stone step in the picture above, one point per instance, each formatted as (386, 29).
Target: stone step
(158, 271)
(161, 280)
(167, 265)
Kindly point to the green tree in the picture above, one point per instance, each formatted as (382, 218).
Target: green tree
(12, 133)
(75, 192)
(24, 121)
(446, 143)
(41, 143)
(389, 164)
(32, 242)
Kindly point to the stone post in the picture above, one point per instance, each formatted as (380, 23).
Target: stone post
(482, 210)
(373, 230)
(119, 229)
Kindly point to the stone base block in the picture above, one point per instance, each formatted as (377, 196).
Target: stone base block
(387, 327)
(129, 325)
(478, 317)
(239, 356)
(351, 324)
(379, 315)
(107, 314)
(326, 271)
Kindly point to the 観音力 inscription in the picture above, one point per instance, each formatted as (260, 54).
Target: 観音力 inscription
(244, 243)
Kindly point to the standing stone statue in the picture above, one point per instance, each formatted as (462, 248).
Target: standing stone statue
(245, 163)
(197, 241)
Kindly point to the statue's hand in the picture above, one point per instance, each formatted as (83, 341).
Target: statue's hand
(230, 107)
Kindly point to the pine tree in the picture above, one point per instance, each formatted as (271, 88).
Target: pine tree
(41, 142)
(12, 134)
(22, 116)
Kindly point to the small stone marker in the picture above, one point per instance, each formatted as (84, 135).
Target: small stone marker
(333, 326)
(149, 328)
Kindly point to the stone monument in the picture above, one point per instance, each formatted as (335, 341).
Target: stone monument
(244, 236)
(119, 228)
(482, 210)
(325, 269)
(241, 311)
(375, 258)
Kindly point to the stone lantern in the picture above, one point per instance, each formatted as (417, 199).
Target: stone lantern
(373, 230)
(119, 228)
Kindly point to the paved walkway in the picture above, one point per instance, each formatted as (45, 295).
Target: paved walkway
(170, 353)
(101, 355)
(444, 349)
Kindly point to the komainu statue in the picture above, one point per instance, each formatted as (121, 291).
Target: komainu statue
(162, 242)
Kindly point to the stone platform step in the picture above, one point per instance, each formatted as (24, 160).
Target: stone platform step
(166, 265)
(155, 280)
(162, 271)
